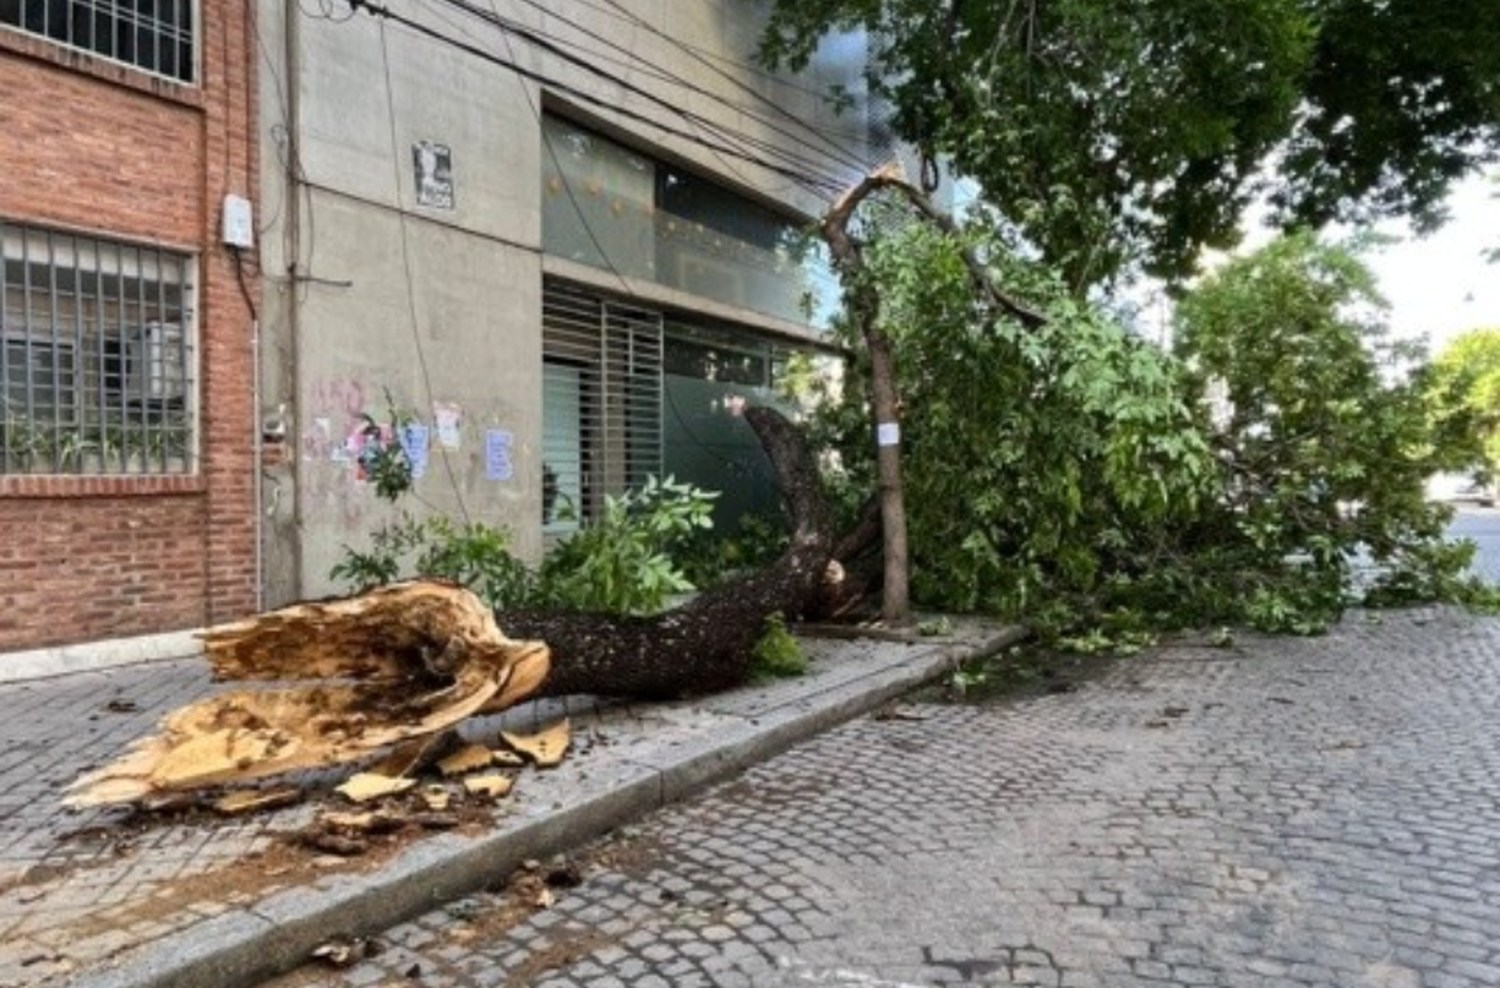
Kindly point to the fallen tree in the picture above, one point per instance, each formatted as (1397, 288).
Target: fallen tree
(406, 662)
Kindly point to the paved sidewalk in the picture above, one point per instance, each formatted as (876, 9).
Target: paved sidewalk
(116, 898)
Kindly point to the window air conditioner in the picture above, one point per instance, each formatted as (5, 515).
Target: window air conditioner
(157, 362)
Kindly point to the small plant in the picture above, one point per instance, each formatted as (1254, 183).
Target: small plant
(937, 627)
(966, 678)
(709, 557)
(477, 556)
(777, 655)
(391, 546)
(622, 563)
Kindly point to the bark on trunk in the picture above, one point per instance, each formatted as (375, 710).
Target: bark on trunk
(704, 645)
(863, 303)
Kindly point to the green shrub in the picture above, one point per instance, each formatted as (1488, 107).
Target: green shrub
(777, 654)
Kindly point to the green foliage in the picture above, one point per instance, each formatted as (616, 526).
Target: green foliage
(622, 563)
(1035, 461)
(1115, 134)
(473, 554)
(1324, 438)
(710, 556)
(382, 457)
(777, 655)
(1075, 477)
(937, 627)
(1464, 390)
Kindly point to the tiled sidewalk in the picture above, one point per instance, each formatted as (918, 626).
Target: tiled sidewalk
(117, 897)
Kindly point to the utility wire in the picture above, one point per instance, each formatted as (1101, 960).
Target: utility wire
(411, 300)
(834, 149)
(587, 62)
(636, 63)
(801, 182)
(830, 148)
(826, 185)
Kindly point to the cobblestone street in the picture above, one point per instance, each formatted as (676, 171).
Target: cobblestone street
(1282, 812)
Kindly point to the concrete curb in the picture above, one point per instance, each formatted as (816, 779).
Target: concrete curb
(249, 947)
(64, 660)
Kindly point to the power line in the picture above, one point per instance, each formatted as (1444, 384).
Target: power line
(411, 299)
(831, 147)
(838, 150)
(825, 184)
(554, 47)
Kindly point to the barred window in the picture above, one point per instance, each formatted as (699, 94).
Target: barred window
(96, 356)
(154, 35)
(601, 403)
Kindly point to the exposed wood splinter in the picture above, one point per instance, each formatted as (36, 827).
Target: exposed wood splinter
(414, 659)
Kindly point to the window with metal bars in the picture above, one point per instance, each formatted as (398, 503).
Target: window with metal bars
(96, 356)
(153, 35)
(601, 402)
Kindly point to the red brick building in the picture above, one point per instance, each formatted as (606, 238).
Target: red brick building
(128, 432)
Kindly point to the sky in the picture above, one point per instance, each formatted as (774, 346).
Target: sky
(1440, 285)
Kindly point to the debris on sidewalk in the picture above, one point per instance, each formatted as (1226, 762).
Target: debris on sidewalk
(255, 800)
(344, 952)
(544, 749)
(494, 786)
(362, 787)
(398, 664)
(467, 759)
(436, 797)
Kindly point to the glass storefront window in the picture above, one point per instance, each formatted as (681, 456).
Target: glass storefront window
(608, 207)
(597, 201)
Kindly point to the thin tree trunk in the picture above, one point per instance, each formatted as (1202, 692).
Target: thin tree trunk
(863, 303)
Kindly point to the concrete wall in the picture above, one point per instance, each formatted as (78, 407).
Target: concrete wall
(374, 291)
(104, 150)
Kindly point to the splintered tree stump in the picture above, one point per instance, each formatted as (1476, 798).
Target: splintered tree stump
(402, 662)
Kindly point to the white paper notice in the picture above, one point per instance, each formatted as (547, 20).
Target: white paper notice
(888, 434)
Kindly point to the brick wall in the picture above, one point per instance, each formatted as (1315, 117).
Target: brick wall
(102, 149)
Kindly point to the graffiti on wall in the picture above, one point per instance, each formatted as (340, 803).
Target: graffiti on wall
(336, 433)
(341, 434)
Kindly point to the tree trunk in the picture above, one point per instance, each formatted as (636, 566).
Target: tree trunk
(862, 300)
(863, 303)
(704, 645)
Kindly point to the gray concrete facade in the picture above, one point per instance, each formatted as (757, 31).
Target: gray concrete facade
(373, 286)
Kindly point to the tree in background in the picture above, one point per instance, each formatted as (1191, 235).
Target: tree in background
(1465, 387)
(1117, 136)
(1324, 436)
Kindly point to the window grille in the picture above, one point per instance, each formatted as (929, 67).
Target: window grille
(602, 397)
(154, 35)
(97, 363)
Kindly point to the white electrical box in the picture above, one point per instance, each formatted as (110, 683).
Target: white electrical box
(239, 224)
